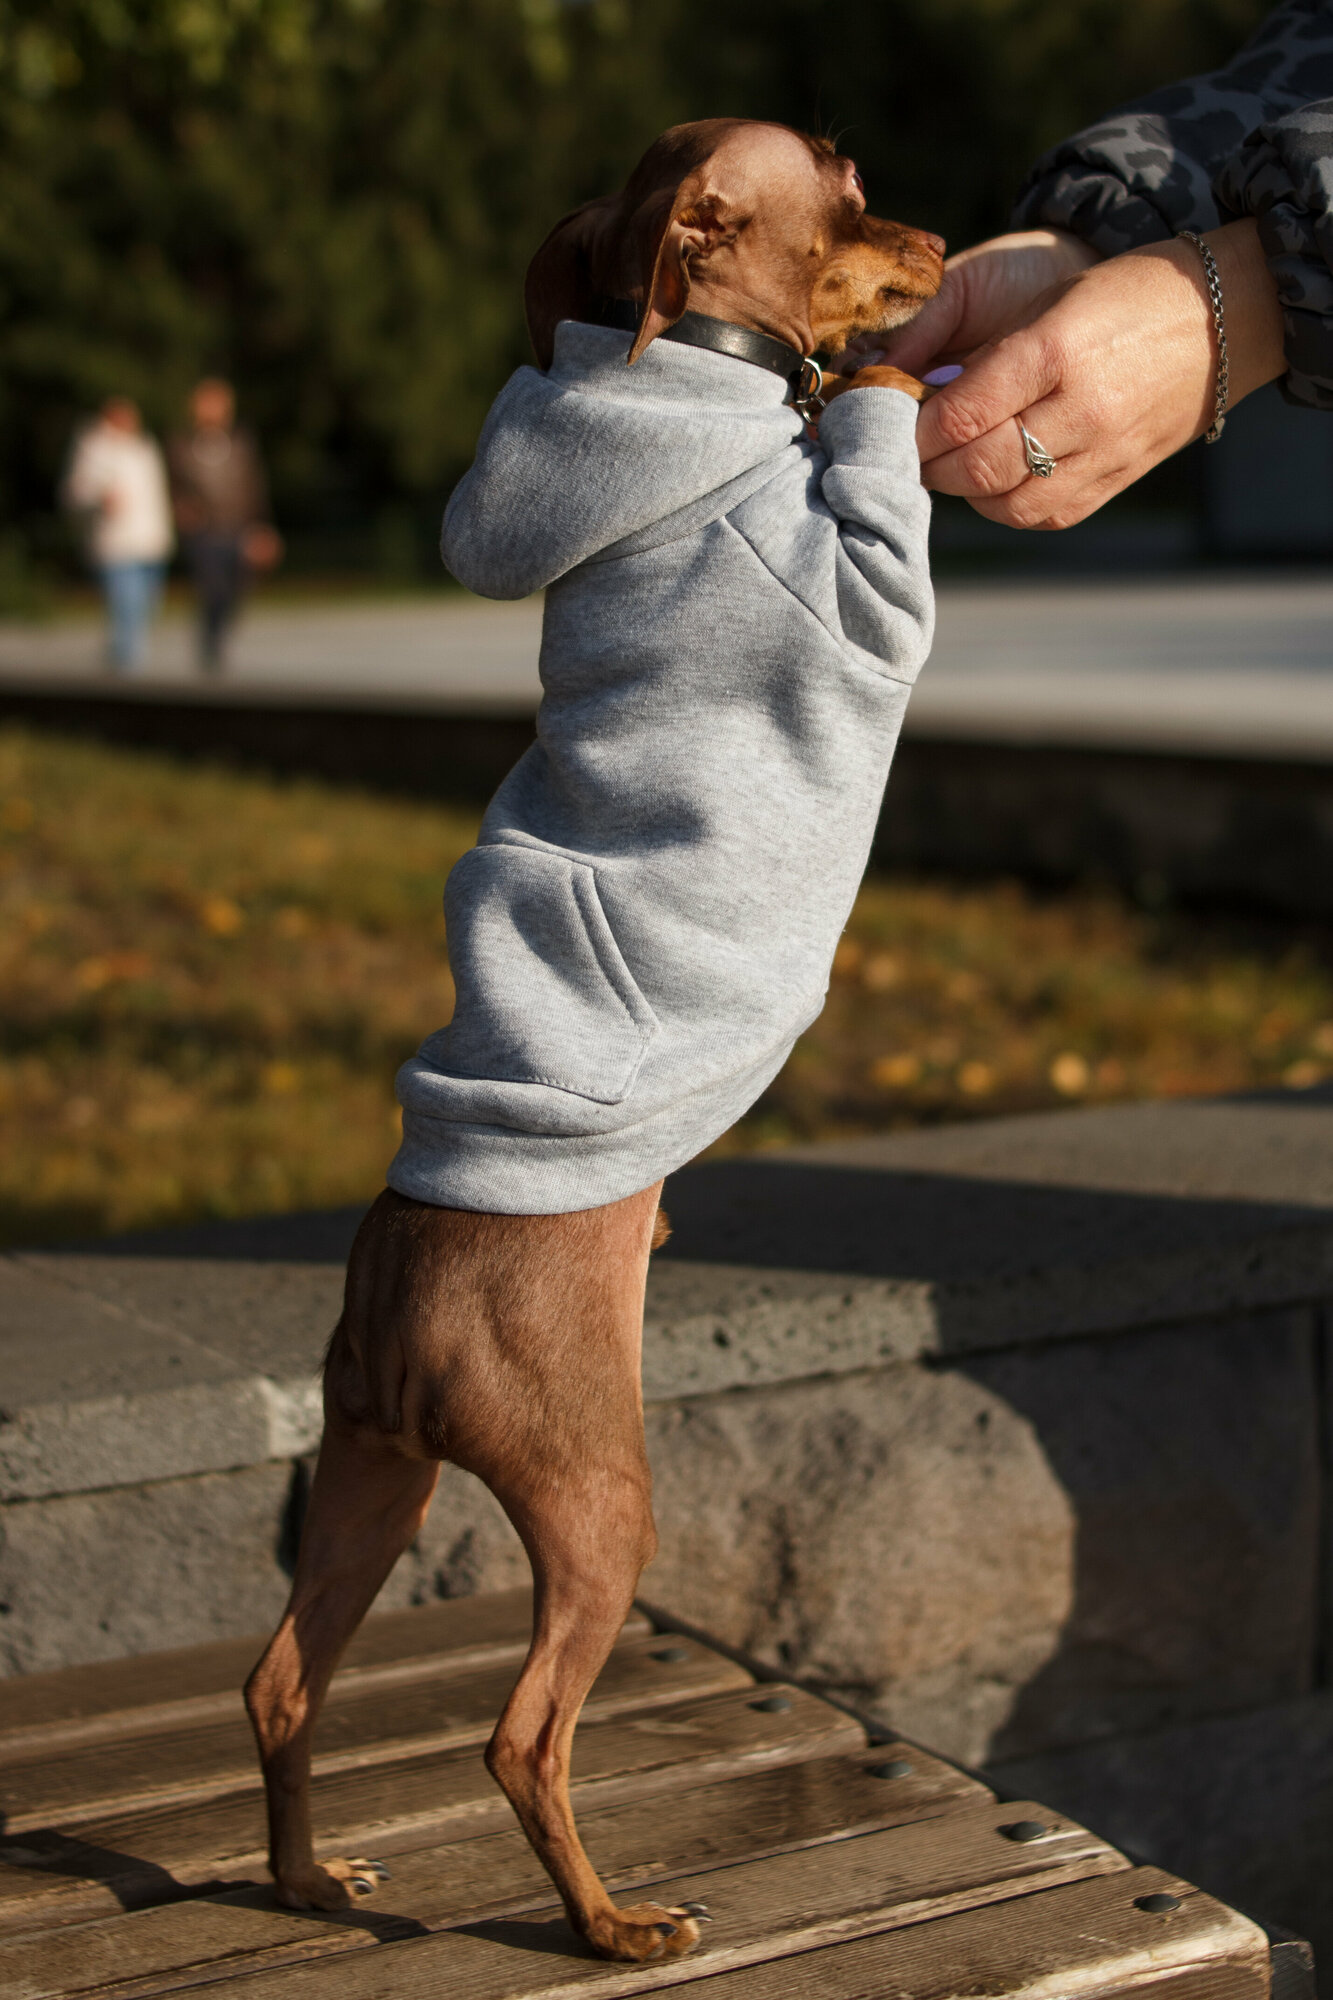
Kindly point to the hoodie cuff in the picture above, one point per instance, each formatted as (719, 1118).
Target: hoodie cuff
(870, 425)
(1283, 176)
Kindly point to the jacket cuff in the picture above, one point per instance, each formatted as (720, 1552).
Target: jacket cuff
(1283, 176)
(1127, 182)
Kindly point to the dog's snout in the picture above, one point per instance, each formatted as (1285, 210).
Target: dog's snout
(934, 243)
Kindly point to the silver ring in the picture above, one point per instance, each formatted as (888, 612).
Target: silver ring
(1039, 461)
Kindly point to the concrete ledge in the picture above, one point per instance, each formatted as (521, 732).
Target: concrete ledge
(197, 1350)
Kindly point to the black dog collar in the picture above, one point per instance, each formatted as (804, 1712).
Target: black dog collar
(802, 375)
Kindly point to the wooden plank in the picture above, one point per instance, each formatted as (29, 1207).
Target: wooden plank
(141, 1857)
(1091, 1939)
(786, 1904)
(742, 1818)
(358, 1726)
(198, 1683)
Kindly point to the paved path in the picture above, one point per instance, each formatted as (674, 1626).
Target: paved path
(1216, 665)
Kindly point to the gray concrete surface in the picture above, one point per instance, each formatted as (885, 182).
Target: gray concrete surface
(1217, 665)
(446, 652)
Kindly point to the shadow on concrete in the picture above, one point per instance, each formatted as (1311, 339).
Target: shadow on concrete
(949, 1229)
(945, 1228)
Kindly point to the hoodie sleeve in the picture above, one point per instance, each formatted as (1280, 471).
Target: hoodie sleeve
(566, 467)
(856, 554)
(487, 539)
(873, 489)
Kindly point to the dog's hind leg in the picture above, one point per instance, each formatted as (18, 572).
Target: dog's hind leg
(509, 1344)
(367, 1501)
(572, 1474)
(589, 1534)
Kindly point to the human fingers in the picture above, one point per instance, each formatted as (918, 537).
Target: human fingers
(997, 385)
(1077, 490)
(987, 291)
(1024, 449)
(932, 332)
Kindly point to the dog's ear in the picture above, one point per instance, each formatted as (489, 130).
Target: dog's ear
(672, 229)
(598, 251)
(564, 277)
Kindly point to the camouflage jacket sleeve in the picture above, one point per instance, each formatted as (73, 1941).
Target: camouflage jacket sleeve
(1255, 137)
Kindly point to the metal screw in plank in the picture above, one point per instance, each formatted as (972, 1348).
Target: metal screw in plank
(1160, 1905)
(1025, 1829)
(671, 1656)
(773, 1704)
(897, 1767)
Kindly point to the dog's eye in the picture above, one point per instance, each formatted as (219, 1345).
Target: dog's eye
(857, 182)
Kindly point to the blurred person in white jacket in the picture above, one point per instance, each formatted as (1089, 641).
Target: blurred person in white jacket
(117, 481)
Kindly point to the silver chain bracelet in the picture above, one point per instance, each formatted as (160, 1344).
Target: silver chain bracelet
(1222, 393)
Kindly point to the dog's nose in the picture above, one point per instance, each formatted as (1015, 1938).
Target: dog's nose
(932, 242)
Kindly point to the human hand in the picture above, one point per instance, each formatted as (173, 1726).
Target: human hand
(1115, 373)
(262, 546)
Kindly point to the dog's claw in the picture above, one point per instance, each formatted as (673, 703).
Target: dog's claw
(362, 1887)
(699, 1911)
(377, 1868)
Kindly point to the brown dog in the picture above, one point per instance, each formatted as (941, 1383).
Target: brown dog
(510, 1344)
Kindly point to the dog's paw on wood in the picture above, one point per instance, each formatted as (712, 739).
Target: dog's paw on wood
(646, 1932)
(330, 1885)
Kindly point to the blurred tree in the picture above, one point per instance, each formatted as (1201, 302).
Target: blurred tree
(334, 200)
(331, 200)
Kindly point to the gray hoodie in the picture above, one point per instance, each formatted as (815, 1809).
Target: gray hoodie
(734, 618)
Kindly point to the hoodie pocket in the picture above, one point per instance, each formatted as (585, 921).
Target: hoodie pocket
(544, 995)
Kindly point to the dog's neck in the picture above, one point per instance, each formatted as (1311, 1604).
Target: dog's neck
(755, 315)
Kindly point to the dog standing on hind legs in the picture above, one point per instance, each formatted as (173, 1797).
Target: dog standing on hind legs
(509, 1345)
(737, 604)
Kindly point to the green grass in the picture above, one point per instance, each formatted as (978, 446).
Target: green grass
(207, 981)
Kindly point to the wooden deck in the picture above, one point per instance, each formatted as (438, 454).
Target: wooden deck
(835, 1869)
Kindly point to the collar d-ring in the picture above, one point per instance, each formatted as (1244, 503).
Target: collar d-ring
(806, 398)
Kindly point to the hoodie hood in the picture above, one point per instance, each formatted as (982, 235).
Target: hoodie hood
(593, 454)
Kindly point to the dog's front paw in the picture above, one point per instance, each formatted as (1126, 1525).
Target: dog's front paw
(647, 1931)
(329, 1885)
(881, 376)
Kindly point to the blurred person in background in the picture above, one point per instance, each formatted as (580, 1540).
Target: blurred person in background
(221, 501)
(116, 482)
(1090, 327)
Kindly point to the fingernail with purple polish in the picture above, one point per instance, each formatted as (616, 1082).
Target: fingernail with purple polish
(939, 376)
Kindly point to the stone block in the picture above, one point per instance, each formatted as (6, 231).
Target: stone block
(897, 1537)
(1190, 1458)
(96, 1576)
(136, 1569)
(1018, 1550)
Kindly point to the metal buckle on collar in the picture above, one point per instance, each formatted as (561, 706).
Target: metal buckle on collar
(806, 399)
